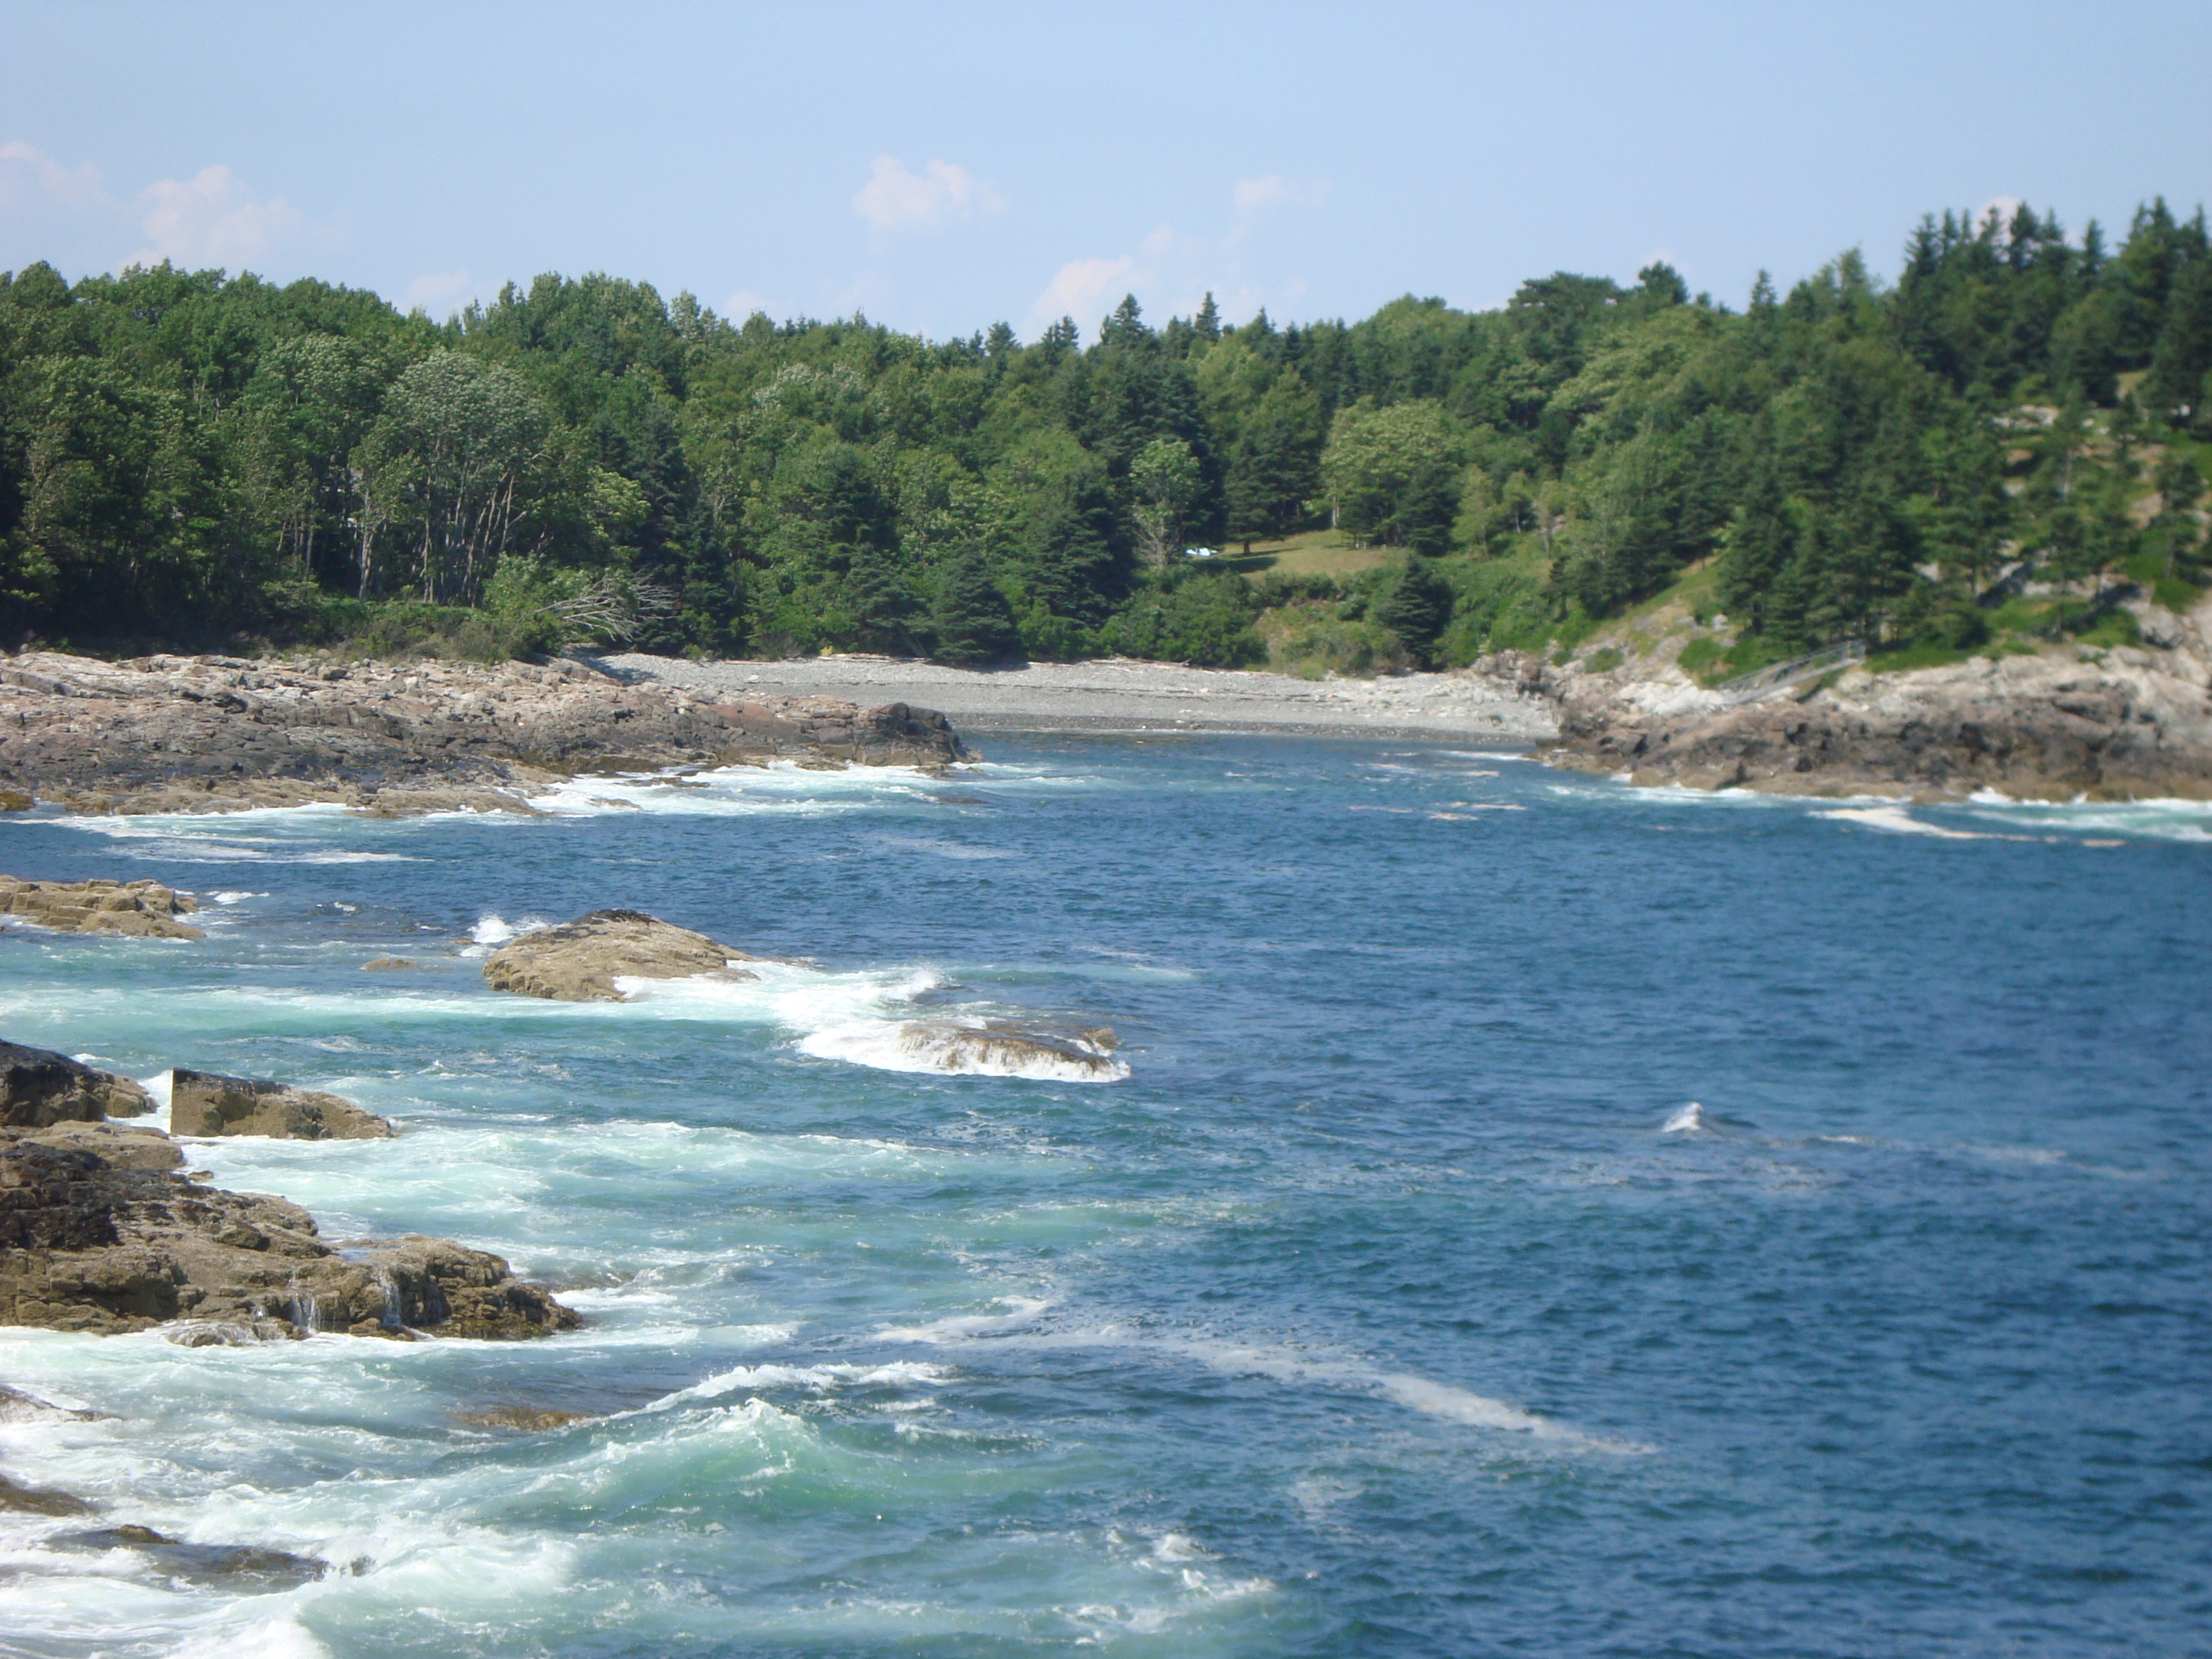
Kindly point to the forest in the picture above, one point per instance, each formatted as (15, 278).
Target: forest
(2005, 435)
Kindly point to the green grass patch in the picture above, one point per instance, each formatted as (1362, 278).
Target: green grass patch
(2176, 595)
(1603, 660)
(2113, 628)
(409, 628)
(1309, 553)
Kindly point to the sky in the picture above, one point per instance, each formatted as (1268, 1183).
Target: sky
(941, 168)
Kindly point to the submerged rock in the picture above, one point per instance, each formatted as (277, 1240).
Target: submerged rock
(208, 1103)
(37, 1500)
(138, 909)
(388, 964)
(93, 1240)
(39, 1087)
(229, 1564)
(520, 1419)
(1004, 1050)
(580, 960)
(16, 1407)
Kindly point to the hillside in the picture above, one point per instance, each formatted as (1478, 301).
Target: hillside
(189, 458)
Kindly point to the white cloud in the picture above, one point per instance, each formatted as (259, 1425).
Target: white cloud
(212, 219)
(742, 305)
(1078, 288)
(1253, 197)
(24, 168)
(895, 198)
(439, 293)
(2003, 206)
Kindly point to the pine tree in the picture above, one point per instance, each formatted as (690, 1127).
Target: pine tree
(971, 618)
(1416, 607)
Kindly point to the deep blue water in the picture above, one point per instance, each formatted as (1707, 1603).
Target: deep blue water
(1376, 1312)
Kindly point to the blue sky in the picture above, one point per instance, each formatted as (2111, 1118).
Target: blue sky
(944, 167)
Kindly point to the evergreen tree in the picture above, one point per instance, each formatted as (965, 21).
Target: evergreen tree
(1415, 607)
(971, 620)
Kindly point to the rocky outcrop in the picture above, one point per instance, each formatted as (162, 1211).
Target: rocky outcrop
(2124, 725)
(137, 909)
(206, 1103)
(580, 960)
(39, 1087)
(176, 734)
(92, 1239)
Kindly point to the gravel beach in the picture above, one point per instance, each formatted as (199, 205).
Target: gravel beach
(1121, 695)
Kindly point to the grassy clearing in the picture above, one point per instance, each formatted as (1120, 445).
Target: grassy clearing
(1311, 553)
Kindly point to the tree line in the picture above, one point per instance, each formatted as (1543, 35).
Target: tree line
(185, 454)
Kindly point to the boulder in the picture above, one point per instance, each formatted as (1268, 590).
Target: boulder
(92, 1240)
(137, 909)
(388, 964)
(580, 960)
(208, 1103)
(40, 1087)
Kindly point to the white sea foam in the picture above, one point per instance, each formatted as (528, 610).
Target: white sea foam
(1897, 821)
(2186, 821)
(946, 1047)
(1442, 1401)
(1021, 1311)
(1688, 1120)
(820, 1379)
(495, 930)
(780, 788)
(271, 1636)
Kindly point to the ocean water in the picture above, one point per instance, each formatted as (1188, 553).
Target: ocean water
(1538, 1217)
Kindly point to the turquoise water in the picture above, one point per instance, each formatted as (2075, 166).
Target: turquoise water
(1378, 1310)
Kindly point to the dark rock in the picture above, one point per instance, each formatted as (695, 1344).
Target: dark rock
(39, 1087)
(580, 960)
(206, 1103)
(90, 1241)
(229, 1565)
(34, 1500)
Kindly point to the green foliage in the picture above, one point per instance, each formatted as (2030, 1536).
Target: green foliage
(1415, 607)
(186, 454)
(2114, 627)
(1603, 660)
(1201, 617)
(971, 621)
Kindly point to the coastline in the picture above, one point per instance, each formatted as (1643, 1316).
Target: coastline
(1123, 695)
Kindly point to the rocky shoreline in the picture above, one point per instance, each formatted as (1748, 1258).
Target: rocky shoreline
(100, 1231)
(185, 734)
(2067, 722)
